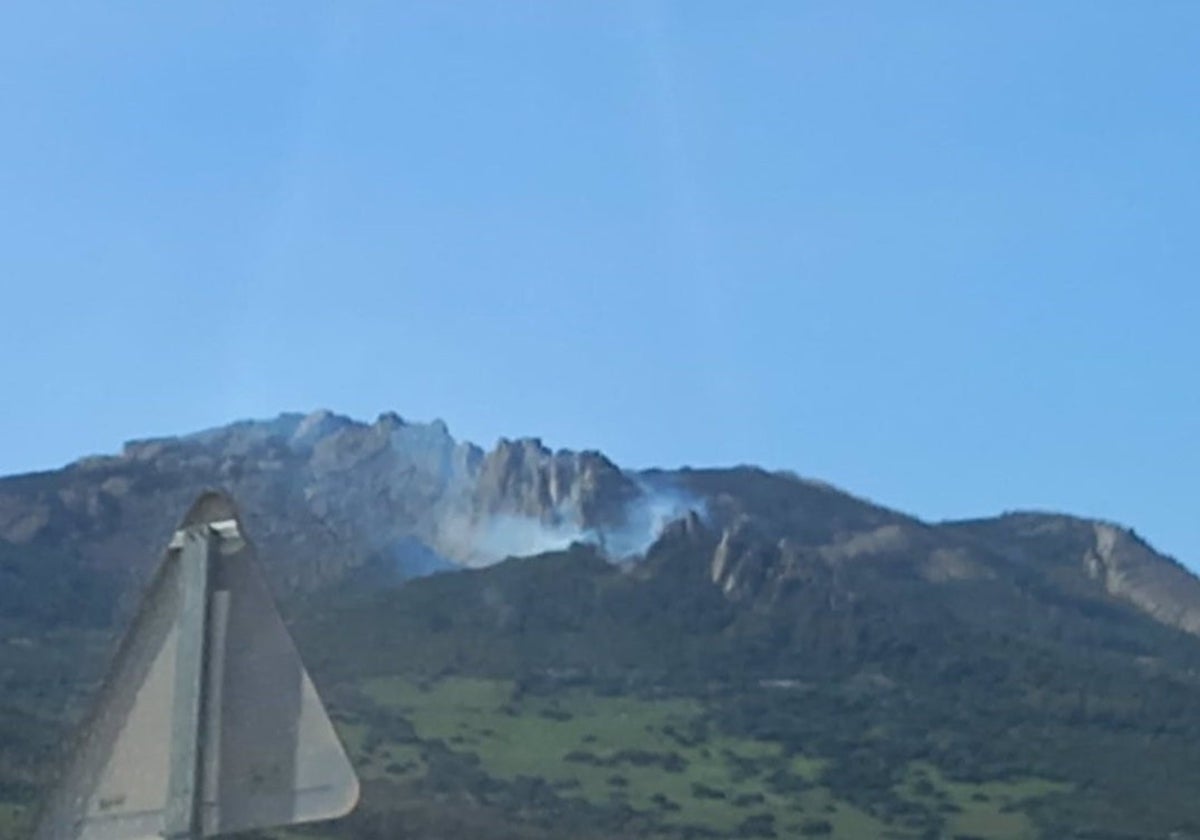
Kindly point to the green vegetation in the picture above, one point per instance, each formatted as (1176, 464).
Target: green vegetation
(655, 766)
(649, 755)
(986, 809)
(47, 589)
(1039, 720)
(376, 758)
(562, 696)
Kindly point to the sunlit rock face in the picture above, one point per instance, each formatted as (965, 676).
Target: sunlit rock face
(323, 493)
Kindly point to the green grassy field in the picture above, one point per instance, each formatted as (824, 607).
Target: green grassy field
(621, 751)
(988, 809)
(661, 759)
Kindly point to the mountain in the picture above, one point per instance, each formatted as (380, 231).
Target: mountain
(911, 668)
(323, 493)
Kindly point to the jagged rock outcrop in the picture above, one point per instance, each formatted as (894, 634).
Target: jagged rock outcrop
(321, 493)
(524, 477)
(1129, 569)
(744, 559)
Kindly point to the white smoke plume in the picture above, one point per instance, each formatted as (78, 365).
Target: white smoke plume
(505, 535)
(481, 543)
(646, 518)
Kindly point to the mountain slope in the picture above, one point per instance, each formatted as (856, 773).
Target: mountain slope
(883, 660)
(871, 672)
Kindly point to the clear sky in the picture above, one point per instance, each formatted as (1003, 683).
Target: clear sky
(944, 255)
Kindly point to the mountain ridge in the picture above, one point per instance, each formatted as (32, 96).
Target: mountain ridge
(326, 493)
(1024, 649)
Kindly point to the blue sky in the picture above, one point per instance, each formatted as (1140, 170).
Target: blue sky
(941, 254)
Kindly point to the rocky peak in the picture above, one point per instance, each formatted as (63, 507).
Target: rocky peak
(242, 437)
(688, 527)
(524, 477)
(317, 426)
(743, 559)
(1129, 569)
(322, 492)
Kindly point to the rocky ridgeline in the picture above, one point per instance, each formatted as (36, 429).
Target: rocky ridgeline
(324, 495)
(321, 493)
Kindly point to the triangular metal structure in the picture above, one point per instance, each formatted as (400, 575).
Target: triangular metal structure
(207, 723)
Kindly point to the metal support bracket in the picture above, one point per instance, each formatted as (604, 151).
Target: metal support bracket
(184, 787)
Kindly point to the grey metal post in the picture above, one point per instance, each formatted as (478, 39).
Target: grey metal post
(184, 796)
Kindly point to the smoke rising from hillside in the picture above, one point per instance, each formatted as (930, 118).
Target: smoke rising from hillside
(509, 535)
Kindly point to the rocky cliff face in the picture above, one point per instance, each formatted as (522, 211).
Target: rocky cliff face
(1129, 569)
(321, 493)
